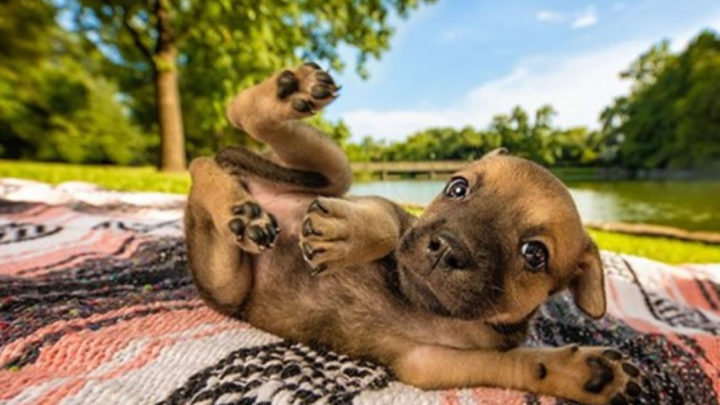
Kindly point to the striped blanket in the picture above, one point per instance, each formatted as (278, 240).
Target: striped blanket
(96, 308)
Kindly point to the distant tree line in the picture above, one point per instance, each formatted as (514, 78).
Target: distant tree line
(87, 90)
(534, 139)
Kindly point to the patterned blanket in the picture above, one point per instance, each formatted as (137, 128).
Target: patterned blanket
(96, 308)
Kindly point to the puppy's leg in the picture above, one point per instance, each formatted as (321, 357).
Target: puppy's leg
(592, 375)
(223, 226)
(271, 112)
(337, 233)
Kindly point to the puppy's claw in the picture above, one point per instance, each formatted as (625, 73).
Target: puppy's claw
(324, 77)
(320, 92)
(309, 252)
(319, 269)
(317, 206)
(307, 228)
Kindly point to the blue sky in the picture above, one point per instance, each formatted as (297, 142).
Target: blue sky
(460, 62)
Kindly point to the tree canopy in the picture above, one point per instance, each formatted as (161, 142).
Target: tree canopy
(671, 118)
(197, 54)
(54, 104)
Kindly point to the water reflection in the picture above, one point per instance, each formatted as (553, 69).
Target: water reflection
(688, 205)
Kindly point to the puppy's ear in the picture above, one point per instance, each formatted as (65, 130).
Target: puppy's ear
(588, 285)
(497, 152)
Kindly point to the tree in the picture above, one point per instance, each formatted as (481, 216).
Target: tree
(53, 106)
(213, 48)
(671, 118)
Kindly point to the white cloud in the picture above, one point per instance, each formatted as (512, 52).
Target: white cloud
(585, 19)
(550, 16)
(580, 19)
(578, 86)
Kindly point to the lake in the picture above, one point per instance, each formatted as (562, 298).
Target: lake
(692, 205)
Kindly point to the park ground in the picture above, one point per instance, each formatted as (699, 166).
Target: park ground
(148, 179)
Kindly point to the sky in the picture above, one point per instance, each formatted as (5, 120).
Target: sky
(457, 63)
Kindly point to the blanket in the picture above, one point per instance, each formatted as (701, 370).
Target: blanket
(96, 307)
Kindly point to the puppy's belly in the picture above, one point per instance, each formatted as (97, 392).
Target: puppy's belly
(288, 207)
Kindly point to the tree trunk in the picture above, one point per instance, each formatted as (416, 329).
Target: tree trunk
(167, 94)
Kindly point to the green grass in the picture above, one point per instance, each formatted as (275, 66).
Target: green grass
(112, 177)
(660, 249)
(147, 179)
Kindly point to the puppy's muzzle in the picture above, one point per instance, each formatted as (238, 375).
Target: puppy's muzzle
(446, 252)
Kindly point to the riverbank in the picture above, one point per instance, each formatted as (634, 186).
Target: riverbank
(147, 179)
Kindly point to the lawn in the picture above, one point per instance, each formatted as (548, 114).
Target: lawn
(112, 177)
(147, 179)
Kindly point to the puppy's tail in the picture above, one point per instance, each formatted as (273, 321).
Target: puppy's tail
(239, 160)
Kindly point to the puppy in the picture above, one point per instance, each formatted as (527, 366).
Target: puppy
(444, 300)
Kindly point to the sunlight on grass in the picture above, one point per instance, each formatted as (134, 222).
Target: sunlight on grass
(660, 249)
(111, 177)
(148, 179)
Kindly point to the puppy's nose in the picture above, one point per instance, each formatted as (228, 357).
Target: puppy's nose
(445, 251)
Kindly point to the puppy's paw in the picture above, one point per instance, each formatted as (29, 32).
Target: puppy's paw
(326, 234)
(594, 375)
(304, 91)
(254, 229)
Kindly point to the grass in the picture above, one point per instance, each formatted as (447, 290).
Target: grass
(147, 179)
(112, 177)
(660, 249)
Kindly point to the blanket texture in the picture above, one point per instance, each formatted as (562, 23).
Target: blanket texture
(96, 307)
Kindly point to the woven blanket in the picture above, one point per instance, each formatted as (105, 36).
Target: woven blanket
(96, 307)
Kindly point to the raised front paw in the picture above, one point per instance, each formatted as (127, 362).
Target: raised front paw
(305, 91)
(594, 375)
(254, 229)
(326, 234)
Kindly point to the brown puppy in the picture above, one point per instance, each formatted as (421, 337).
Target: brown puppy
(444, 300)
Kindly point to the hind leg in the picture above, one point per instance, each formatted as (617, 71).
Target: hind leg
(224, 226)
(271, 112)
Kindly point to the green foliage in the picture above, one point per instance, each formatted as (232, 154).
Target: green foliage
(225, 46)
(538, 140)
(52, 107)
(671, 118)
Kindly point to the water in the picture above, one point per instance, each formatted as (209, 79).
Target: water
(686, 205)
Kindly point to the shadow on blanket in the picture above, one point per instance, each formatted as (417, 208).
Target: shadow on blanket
(96, 307)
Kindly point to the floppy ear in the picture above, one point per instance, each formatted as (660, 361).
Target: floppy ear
(497, 152)
(588, 286)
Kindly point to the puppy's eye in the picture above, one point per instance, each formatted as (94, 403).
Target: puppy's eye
(535, 255)
(457, 188)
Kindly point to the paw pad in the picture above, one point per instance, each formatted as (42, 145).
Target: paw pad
(601, 375)
(254, 229)
(287, 84)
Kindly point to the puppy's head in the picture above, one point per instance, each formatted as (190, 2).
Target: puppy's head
(502, 236)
